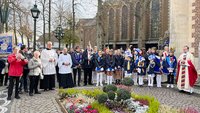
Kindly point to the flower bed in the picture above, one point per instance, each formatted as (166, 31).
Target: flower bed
(110, 99)
(77, 97)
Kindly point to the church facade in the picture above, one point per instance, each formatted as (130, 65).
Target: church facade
(141, 23)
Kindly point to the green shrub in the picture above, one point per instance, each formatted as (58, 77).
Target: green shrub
(102, 98)
(128, 81)
(111, 95)
(108, 88)
(123, 94)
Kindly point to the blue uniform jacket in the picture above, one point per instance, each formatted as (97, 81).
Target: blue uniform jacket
(125, 65)
(170, 62)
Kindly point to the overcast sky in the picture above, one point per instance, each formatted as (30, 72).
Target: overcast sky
(83, 9)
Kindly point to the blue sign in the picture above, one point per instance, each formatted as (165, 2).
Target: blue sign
(5, 44)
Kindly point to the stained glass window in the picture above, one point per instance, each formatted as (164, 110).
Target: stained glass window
(124, 28)
(111, 25)
(155, 9)
(137, 17)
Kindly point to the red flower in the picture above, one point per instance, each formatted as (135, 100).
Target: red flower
(89, 107)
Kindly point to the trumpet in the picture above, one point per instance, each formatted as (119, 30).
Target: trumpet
(141, 64)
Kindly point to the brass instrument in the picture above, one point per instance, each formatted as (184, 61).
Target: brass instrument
(141, 64)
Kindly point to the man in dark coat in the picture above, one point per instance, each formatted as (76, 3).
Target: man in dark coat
(24, 78)
(76, 64)
(87, 65)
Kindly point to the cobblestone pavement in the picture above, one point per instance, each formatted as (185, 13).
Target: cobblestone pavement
(46, 103)
(41, 103)
(171, 97)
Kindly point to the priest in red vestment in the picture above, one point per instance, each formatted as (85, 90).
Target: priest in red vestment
(186, 74)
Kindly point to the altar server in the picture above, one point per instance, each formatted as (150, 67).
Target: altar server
(49, 61)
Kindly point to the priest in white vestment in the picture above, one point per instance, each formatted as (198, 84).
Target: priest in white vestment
(186, 74)
(49, 60)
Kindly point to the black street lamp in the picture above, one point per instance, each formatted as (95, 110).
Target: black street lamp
(35, 14)
(59, 34)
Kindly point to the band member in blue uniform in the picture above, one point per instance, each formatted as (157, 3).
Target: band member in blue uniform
(159, 68)
(150, 70)
(128, 66)
(110, 65)
(135, 60)
(170, 65)
(141, 68)
(99, 68)
(119, 60)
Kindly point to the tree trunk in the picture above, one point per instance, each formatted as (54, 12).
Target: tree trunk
(49, 20)
(44, 27)
(73, 22)
(99, 26)
(14, 20)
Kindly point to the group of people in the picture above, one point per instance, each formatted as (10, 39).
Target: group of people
(106, 66)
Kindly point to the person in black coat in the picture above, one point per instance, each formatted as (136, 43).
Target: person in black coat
(76, 64)
(24, 78)
(2, 66)
(110, 65)
(87, 65)
(119, 60)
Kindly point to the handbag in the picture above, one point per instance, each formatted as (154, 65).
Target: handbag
(41, 76)
(3, 71)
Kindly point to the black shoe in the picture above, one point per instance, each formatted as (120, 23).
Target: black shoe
(85, 85)
(51, 89)
(91, 84)
(17, 97)
(9, 98)
(37, 93)
(79, 85)
(26, 91)
(20, 92)
(30, 94)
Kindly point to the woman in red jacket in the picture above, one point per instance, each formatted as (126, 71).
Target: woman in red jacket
(16, 61)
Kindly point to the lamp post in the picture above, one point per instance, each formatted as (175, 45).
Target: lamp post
(35, 14)
(59, 34)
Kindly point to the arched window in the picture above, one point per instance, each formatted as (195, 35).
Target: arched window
(155, 9)
(124, 28)
(131, 21)
(137, 17)
(111, 25)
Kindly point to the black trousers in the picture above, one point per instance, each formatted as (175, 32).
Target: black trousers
(1, 79)
(87, 76)
(6, 79)
(48, 82)
(170, 78)
(75, 71)
(24, 80)
(33, 84)
(13, 79)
